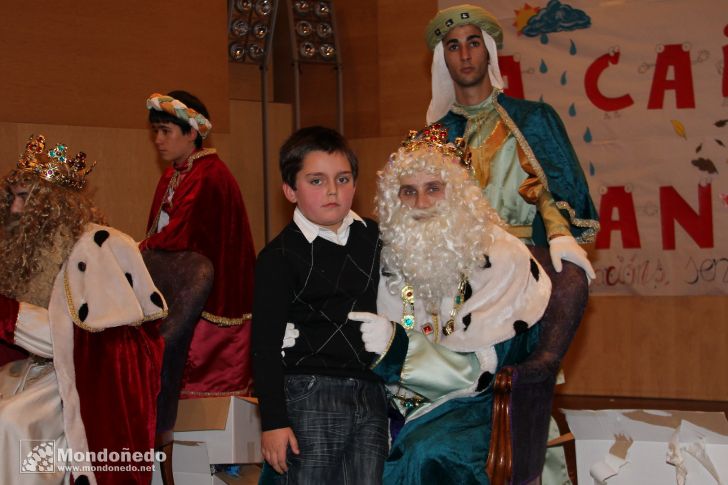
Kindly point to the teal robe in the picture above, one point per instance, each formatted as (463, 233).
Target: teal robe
(449, 444)
(544, 132)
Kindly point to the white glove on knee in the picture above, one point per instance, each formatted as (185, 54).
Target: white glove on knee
(289, 338)
(566, 248)
(375, 330)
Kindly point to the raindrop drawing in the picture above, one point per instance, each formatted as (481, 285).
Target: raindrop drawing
(587, 136)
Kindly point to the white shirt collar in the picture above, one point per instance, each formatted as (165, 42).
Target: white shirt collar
(312, 230)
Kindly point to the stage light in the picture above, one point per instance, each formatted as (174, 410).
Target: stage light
(240, 28)
(250, 30)
(243, 5)
(308, 17)
(314, 40)
(327, 51)
(324, 30)
(303, 28)
(237, 52)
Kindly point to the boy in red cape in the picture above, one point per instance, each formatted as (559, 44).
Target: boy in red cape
(198, 207)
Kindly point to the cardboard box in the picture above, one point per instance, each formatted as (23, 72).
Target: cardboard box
(191, 466)
(628, 446)
(212, 431)
(230, 426)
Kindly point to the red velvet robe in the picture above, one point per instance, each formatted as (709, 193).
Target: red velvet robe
(115, 379)
(207, 215)
(118, 399)
(8, 317)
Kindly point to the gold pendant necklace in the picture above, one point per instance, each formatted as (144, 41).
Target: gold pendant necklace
(408, 309)
(449, 327)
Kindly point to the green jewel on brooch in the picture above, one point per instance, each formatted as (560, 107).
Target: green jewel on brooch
(409, 403)
(408, 321)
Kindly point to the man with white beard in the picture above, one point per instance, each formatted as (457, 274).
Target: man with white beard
(458, 299)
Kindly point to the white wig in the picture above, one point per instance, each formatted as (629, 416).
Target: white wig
(432, 254)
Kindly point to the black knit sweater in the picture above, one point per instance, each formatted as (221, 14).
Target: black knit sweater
(313, 285)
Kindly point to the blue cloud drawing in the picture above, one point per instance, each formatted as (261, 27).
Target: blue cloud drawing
(556, 17)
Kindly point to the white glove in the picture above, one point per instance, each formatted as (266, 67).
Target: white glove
(566, 248)
(375, 330)
(289, 338)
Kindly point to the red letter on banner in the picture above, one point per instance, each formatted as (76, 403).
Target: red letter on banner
(511, 72)
(591, 85)
(626, 221)
(674, 208)
(672, 55)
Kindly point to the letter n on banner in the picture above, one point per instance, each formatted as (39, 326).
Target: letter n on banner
(617, 199)
(698, 225)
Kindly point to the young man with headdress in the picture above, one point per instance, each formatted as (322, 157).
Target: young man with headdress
(521, 152)
(465, 296)
(198, 207)
(75, 295)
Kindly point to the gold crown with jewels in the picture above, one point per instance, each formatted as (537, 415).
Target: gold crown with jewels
(435, 137)
(55, 165)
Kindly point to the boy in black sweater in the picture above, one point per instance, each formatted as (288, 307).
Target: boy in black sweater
(323, 411)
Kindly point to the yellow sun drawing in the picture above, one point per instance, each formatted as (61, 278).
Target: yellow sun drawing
(523, 15)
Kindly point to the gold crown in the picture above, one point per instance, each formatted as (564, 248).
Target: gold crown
(55, 165)
(435, 137)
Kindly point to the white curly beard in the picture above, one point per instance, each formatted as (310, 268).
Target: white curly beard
(430, 249)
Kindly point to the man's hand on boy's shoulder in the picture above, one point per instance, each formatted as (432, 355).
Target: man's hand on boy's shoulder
(274, 444)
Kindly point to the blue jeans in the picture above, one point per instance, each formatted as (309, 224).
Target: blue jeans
(341, 427)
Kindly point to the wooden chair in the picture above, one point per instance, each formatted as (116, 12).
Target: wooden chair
(523, 393)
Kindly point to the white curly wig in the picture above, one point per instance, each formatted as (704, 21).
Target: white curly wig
(431, 253)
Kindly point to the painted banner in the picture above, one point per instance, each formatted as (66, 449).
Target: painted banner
(643, 91)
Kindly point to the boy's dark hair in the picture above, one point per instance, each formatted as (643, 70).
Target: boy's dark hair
(191, 101)
(307, 140)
